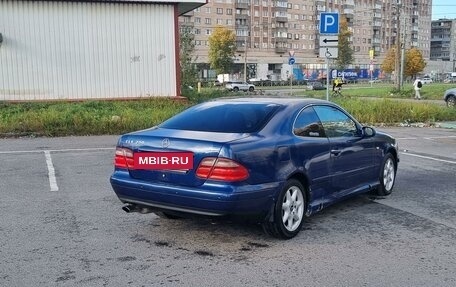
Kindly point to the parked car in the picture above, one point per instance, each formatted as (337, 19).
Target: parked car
(315, 86)
(450, 97)
(276, 160)
(375, 80)
(240, 86)
(426, 80)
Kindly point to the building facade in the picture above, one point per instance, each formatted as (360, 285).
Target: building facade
(67, 50)
(443, 40)
(267, 30)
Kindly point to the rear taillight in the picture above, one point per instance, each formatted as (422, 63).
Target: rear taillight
(222, 169)
(124, 158)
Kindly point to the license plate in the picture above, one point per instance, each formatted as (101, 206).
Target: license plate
(163, 160)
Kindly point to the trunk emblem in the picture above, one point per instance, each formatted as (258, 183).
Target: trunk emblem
(165, 143)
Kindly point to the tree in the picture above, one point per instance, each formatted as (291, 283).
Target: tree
(189, 74)
(389, 63)
(345, 50)
(414, 62)
(222, 48)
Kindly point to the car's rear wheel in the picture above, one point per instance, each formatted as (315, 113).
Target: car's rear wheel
(251, 89)
(451, 101)
(289, 211)
(236, 89)
(387, 175)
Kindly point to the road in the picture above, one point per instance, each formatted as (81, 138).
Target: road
(61, 225)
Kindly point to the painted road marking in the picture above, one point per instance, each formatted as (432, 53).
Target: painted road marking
(57, 150)
(428, 157)
(51, 171)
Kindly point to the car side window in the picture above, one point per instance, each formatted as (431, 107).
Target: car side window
(335, 122)
(307, 124)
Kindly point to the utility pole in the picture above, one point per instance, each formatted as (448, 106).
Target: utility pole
(401, 81)
(398, 45)
(245, 58)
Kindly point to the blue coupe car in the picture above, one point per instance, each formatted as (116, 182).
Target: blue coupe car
(276, 159)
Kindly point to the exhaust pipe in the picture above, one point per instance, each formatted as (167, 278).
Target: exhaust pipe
(129, 208)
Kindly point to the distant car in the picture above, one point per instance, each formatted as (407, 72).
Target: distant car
(375, 81)
(275, 160)
(240, 86)
(450, 97)
(426, 80)
(315, 86)
(351, 80)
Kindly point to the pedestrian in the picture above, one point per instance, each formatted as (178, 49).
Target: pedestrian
(417, 86)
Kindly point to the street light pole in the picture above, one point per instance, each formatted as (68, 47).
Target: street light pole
(245, 59)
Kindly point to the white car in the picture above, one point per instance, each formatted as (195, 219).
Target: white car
(240, 86)
(426, 80)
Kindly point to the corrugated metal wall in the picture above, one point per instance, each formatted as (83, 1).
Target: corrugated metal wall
(55, 50)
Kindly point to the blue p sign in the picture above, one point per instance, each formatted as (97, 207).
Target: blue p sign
(329, 23)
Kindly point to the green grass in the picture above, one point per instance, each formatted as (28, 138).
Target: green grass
(117, 117)
(84, 118)
(433, 91)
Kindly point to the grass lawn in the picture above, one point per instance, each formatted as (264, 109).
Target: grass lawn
(433, 91)
(117, 117)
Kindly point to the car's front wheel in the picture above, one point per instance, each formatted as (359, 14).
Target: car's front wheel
(251, 89)
(387, 175)
(236, 89)
(289, 211)
(451, 101)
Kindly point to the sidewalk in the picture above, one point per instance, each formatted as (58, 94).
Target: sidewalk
(447, 125)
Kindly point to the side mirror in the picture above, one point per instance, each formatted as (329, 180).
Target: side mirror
(368, 132)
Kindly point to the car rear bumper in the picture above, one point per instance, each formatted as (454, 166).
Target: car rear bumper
(212, 199)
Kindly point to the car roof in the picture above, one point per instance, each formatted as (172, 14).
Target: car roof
(273, 100)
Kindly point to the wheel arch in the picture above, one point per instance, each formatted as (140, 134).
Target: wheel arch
(394, 153)
(304, 180)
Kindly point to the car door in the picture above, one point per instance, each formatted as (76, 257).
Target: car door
(311, 153)
(352, 155)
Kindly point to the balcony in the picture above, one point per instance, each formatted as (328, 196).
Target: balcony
(281, 50)
(242, 17)
(187, 24)
(242, 4)
(281, 19)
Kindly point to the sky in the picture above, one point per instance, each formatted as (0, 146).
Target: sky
(443, 9)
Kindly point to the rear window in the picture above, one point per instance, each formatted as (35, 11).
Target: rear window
(223, 117)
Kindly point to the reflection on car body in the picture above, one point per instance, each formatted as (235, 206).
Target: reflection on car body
(275, 160)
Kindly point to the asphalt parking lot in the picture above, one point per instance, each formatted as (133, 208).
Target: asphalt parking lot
(61, 225)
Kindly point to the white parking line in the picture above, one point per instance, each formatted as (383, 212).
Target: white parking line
(441, 137)
(428, 157)
(51, 171)
(56, 150)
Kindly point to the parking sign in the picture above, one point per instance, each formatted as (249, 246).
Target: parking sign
(329, 23)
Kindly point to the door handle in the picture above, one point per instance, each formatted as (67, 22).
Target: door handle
(336, 152)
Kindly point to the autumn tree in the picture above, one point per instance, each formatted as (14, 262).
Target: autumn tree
(189, 73)
(389, 63)
(345, 57)
(414, 62)
(222, 48)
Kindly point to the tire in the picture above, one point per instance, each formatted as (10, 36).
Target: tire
(236, 89)
(387, 175)
(451, 102)
(289, 211)
(251, 89)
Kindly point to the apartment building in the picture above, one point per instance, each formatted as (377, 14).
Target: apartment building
(443, 40)
(268, 30)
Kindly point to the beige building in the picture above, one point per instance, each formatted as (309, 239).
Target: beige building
(267, 30)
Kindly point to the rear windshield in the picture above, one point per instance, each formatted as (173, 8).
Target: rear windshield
(223, 117)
